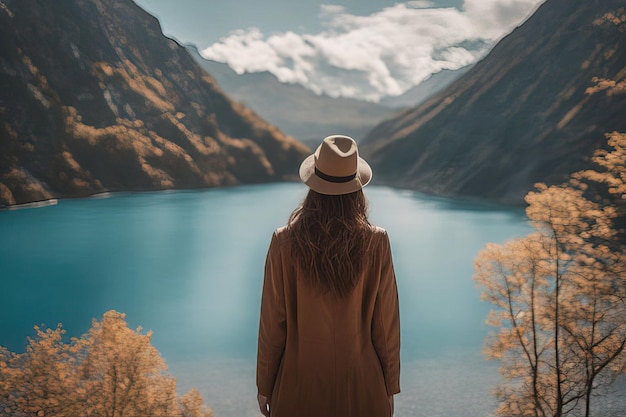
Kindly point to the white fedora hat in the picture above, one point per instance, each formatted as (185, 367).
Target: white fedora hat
(336, 168)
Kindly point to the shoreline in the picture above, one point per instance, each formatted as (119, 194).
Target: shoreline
(32, 204)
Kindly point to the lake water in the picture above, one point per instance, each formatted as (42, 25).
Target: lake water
(188, 265)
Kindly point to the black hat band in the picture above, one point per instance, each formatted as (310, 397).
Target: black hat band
(334, 179)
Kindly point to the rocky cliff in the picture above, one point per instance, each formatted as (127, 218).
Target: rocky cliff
(533, 110)
(94, 98)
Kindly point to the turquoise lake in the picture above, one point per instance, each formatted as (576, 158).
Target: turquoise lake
(188, 265)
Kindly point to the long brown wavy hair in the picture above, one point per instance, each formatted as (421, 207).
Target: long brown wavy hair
(328, 235)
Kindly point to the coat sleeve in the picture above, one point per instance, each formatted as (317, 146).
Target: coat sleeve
(272, 325)
(386, 322)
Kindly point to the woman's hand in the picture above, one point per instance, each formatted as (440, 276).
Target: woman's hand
(391, 405)
(264, 405)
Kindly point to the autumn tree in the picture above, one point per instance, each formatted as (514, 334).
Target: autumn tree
(611, 162)
(559, 298)
(122, 374)
(612, 175)
(192, 405)
(36, 383)
(112, 371)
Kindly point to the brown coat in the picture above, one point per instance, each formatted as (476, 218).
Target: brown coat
(326, 356)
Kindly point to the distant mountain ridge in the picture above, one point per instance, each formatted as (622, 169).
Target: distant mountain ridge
(534, 109)
(307, 116)
(424, 90)
(93, 97)
(295, 110)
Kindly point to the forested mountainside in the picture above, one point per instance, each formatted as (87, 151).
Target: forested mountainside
(295, 110)
(93, 98)
(534, 109)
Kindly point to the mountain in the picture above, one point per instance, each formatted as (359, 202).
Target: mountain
(93, 98)
(534, 109)
(421, 92)
(296, 110)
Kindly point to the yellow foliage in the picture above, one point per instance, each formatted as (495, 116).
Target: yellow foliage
(145, 144)
(617, 18)
(559, 295)
(6, 196)
(611, 87)
(206, 147)
(148, 87)
(111, 371)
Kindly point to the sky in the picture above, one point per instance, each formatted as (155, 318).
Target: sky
(365, 49)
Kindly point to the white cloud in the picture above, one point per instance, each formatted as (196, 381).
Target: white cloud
(383, 54)
(493, 18)
(420, 4)
(331, 8)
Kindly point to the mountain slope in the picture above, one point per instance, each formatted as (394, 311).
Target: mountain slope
(532, 110)
(424, 90)
(294, 109)
(93, 98)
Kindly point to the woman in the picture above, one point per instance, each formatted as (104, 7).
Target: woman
(329, 333)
